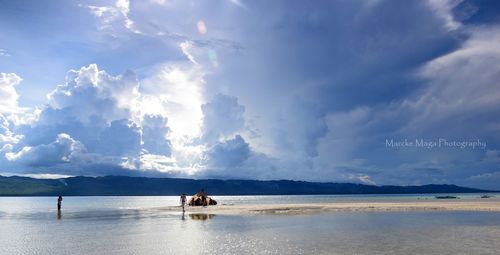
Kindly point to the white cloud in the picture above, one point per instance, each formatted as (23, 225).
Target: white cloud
(222, 118)
(122, 138)
(98, 111)
(89, 93)
(154, 135)
(8, 93)
(228, 154)
(4, 53)
(11, 114)
(57, 152)
(175, 91)
(443, 9)
(37, 176)
(460, 91)
(7, 137)
(363, 178)
(119, 122)
(461, 84)
(307, 97)
(109, 15)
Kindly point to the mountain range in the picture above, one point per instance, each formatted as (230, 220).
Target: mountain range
(144, 186)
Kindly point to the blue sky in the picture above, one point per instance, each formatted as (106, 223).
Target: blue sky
(318, 91)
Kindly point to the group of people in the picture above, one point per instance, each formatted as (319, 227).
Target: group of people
(199, 199)
(183, 200)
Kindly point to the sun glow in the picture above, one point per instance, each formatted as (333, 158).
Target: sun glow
(177, 95)
(179, 98)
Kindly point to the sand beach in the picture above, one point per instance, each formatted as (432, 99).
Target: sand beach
(311, 208)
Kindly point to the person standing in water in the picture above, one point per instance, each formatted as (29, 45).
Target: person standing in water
(59, 202)
(183, 201)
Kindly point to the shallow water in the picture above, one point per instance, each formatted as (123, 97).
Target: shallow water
(132, 225)
(44, 204)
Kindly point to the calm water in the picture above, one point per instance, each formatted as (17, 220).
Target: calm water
(131, 225)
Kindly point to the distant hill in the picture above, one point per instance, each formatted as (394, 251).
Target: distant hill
(142, 186)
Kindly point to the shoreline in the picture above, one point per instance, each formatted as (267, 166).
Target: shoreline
(314, 208)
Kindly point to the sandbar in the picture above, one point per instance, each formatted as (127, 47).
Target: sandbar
(312, 208)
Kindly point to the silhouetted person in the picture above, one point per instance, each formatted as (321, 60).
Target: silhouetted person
(183, 201)
(59, 202)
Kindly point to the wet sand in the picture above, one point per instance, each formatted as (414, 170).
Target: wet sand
(312, 208)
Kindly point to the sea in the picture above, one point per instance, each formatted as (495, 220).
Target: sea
(131, 225)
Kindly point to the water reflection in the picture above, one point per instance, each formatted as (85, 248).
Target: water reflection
(59, 214)
(155, 230)
(201, 216)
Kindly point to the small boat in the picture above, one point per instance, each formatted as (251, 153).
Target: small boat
(486, 196)
(446, 197)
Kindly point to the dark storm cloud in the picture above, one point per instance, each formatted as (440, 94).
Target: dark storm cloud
(287, 89)
(228, 154)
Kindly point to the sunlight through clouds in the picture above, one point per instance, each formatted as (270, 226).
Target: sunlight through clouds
(250, 89)
(176, 93)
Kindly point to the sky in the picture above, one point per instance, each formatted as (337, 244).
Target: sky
(374, 92)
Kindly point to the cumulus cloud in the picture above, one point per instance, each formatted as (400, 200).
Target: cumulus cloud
(154, 133)
(234, 158)
(325, 67)
(311, 93)
(8, 92)
(222, 117)
(226, 152)
(84, 106)
(89, 93)
(95, 115)
(121, 138)
(7, 137)
(175, 91)
(57, 152)
(328, 97)
(9, 110)
(230, 153)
